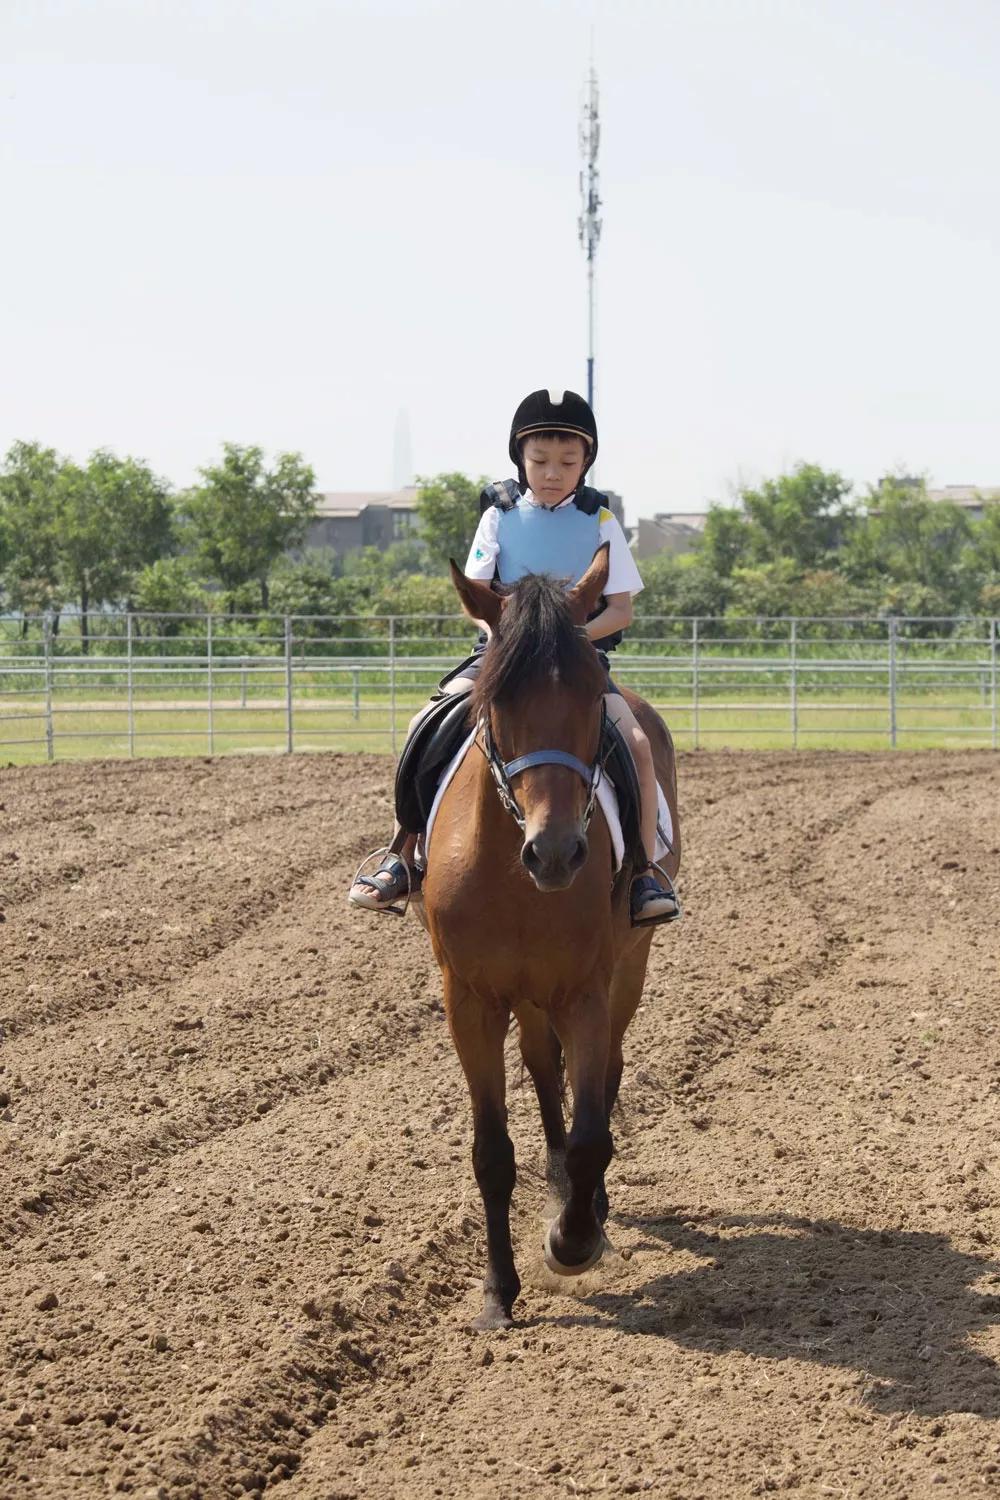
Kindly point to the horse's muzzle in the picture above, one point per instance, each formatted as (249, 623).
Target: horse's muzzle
(552, 859)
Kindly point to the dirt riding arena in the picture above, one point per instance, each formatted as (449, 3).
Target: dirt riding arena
(239, 1233)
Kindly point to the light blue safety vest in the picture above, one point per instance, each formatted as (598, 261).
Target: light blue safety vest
(536, 540)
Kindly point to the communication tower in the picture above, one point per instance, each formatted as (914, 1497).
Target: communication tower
(589, 222)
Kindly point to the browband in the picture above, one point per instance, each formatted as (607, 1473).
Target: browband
(548, 758)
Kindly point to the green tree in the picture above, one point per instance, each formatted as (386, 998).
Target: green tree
(910, 596)
(766, 589)
(982, 561)
(168, 587)
(244, 516)
(826, 592)
(913, 549)
(307, 586)
(29, 528)
(407, 556)
(725, 541)
(448, 508)
(5, 551)
(678, 585)
(986, 538)
(800, 516)
(988, 600)
(780, 588)
(114, 517)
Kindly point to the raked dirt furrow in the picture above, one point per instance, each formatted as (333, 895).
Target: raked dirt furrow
(52, 851)
(804, 1289)
(85, 947)
(169, 1067)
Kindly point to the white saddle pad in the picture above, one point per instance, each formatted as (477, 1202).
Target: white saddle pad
(607, 797)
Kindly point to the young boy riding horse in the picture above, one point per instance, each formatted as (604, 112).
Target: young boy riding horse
(551, 522)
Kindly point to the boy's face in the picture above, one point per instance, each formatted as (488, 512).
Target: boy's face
(553, 466)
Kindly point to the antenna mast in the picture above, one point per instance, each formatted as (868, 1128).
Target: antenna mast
(589, 223)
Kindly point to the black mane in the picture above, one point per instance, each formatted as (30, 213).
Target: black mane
(535, 641)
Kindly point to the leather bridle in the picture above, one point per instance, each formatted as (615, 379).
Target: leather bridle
(502, 771)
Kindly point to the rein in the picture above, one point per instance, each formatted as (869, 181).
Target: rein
(502, 770)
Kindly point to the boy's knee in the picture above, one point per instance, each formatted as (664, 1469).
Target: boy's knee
(640, 742)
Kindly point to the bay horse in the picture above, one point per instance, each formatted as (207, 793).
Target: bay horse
(524, 914)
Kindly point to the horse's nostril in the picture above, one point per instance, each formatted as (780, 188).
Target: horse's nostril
(547, 857)
(529, 858)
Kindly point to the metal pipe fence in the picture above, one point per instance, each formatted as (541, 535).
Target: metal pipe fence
(173, 684)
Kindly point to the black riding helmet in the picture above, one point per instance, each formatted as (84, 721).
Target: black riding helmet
(553, 411)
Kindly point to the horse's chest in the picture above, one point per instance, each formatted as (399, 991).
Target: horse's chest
(489, 923)
(525, 948)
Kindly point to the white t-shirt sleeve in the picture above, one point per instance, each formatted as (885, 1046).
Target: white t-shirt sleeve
(623, 575)
(482, 557)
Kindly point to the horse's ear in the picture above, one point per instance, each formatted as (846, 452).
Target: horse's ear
(583, 598)
(478, 599)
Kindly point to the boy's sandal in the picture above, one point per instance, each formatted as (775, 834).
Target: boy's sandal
(391, 880)
(652, 898)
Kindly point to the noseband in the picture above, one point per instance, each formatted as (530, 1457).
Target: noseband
(502, 770)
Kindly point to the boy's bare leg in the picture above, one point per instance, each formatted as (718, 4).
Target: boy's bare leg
(619, 713)
(662, 902)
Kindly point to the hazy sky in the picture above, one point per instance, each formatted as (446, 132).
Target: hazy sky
(281, 222)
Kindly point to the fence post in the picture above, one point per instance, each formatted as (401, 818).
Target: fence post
(211, 692)
(392, 678)
(694, 680)
(792, 645)
(131, 686)
(50, 746)
(994, 726)
(355, 692)
(289, 743)
(243, 682)
(893, 627)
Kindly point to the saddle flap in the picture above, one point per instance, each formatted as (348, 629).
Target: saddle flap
(620, 767)
(432, 745)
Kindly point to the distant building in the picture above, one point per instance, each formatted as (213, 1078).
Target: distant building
(348, 520)
(968, 497)
(668, 531)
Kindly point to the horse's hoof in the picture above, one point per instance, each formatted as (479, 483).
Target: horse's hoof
(492, 1317)
(556, 1265)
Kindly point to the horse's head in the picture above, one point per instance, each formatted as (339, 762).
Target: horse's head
(539, 692)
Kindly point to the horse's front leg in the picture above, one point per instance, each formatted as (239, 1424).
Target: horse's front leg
(626, 992)
(575, 1240)
(478, 1029)
(542, 1054)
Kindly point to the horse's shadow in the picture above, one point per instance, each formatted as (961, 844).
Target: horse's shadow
(897, 1308)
